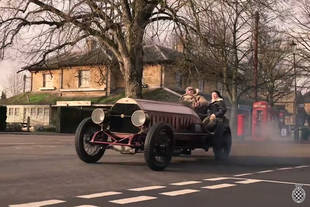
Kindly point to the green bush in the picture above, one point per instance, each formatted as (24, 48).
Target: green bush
(14, 127)
(40, 128)
(305, 133)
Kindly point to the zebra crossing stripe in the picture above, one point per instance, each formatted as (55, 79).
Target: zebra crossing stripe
(265, 171)
(97, 195)
(185, 183)
(133, 199)
(244, 174)
(147, 188)
(180, 192)
(38, 204)
(225, 185)
(216, 179)
(248, 181)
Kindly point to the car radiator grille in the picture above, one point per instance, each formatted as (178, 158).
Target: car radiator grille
(120, 118)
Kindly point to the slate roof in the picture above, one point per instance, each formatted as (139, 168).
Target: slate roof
(153, 54)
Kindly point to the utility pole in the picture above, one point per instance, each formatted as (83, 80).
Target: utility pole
(293, 45)
(255, 59)
(24, 79)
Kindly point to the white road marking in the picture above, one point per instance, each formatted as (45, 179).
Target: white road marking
(301, 166)
(265, 171)
(180, 192)
(97, 195)
(225, 185)
(244, 174)
(148, 188)
(284, 182)
(275, 181)
(86, 206)
(186, 183)
(285, 168)
(216, 179)
(133, 199)
(38, 204)
(248, 181)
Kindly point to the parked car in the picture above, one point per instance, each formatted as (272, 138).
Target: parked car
(158, 129)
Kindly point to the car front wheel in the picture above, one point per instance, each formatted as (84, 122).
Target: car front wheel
(87, 151)
(158, 146)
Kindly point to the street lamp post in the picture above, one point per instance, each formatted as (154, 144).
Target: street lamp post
(293, 45)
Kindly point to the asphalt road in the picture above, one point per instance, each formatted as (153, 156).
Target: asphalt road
(44, 170)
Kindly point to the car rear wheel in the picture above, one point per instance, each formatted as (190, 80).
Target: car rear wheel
(222, 149)
(158, 147)
(87, 151)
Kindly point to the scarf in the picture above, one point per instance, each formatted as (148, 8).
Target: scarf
(218, 99)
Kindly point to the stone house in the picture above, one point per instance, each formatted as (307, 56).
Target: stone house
(79, 74)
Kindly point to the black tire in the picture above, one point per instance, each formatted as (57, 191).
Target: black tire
(158, 146)
(86, 151)
(222, 149)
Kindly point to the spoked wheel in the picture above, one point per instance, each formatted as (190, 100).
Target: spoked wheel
(222, 149)
(158, 147)
(87, 151)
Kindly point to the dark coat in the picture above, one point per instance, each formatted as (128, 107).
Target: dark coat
(218, 108)
(190, 100)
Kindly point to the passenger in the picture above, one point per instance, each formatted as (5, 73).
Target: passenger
(216, 111)
(193, 99)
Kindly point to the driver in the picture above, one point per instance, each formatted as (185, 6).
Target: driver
(193, 99)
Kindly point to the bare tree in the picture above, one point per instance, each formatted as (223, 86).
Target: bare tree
(300, 33)
(54, 27)
(276, 71)
(14, 84)
(224, 29)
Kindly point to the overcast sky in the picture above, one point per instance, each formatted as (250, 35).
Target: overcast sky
(7, 66)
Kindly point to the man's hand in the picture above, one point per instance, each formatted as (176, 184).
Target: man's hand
(196, 104)
(212, 117)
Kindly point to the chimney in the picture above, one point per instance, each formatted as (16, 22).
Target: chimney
(179, 45)
(91, 44)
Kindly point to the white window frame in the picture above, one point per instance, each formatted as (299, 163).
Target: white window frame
(11, 111)
(33, 112)
(48, 80)
(84, 79)
(16, 111)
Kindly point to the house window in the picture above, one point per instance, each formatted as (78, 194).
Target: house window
(11, 111)
(40, 111)
(26, 111)
(16, 112)
(33, 111)
(47, 81)
(84, 76)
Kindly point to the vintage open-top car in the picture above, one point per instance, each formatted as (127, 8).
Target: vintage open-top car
(159, 129)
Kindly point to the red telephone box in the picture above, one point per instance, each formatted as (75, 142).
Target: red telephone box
(260, 117)
(240, 129)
